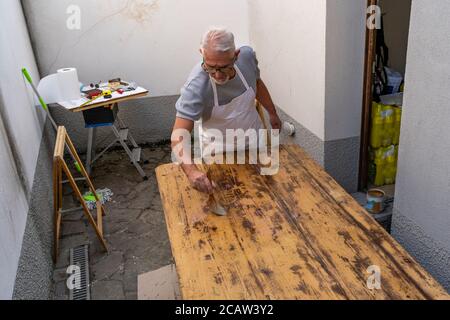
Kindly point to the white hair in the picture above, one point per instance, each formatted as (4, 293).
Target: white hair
(218, 39)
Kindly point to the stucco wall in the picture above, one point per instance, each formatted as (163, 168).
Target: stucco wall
(289, 39)
(344, 78)
(421, 220)
(21, 125)
(153, 42)
(35, 269)
(345, 48)
(312, 58)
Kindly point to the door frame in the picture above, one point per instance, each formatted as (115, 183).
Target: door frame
(367, 103)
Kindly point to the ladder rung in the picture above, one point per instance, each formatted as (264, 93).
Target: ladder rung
(123, 133)
(137, 154)
(100, 217)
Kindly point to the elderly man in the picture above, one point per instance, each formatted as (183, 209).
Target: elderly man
(221, 92)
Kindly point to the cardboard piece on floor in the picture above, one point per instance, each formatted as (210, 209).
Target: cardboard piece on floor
(160, 284)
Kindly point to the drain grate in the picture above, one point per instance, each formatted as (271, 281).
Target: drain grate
(79, 256)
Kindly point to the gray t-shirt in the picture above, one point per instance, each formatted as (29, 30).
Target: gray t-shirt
(197, 97)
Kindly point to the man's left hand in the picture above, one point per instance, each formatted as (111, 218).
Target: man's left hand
(275, 121)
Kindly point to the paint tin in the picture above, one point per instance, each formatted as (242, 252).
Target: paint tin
(288, 128)
(375, 201)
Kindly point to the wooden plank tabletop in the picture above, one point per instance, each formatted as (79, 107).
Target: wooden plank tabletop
(295, 235)
(110, 102)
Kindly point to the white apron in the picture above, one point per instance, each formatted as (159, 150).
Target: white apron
(240, 113)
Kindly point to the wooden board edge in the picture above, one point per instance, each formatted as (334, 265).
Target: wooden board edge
(107, 103)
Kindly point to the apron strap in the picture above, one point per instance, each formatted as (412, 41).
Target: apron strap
(216, 96)
(247, 87)
(214, 86)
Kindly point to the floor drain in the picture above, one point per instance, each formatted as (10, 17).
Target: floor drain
(79, 257)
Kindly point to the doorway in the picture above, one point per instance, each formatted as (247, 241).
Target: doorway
(385, 66)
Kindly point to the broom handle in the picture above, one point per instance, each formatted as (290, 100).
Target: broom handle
(45, 107)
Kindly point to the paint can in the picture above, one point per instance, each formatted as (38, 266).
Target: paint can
(288, 128)
(375, 201)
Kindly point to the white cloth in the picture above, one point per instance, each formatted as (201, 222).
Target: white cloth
(240, 113)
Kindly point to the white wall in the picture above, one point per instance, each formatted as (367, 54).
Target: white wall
(300, 57)
(422, 203)
(312, 57)
(154, 42)
(20, 136)
(289, 39)
(13, 209)
(345, 49)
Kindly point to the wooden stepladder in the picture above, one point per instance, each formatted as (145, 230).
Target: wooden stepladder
(59, 167)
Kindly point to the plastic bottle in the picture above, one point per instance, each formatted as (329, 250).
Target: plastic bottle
(380, 167)
(397, 125)
(376, 135)
(389, 128)
(390, 165)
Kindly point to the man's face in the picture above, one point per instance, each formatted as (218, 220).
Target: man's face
(219, 65)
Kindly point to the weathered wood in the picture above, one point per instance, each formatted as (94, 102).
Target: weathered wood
(60, 166)
(295, 235)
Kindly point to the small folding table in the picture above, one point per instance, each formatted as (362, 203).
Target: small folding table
(104, 113)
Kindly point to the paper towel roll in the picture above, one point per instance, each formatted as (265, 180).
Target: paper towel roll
(69, 84)
(61, 86)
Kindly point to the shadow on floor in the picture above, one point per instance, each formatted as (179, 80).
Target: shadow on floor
(134, 228)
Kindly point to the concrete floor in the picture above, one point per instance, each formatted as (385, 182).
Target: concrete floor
(134, 227)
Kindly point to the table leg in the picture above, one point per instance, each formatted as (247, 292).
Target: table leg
(90, 150)
(94, 142)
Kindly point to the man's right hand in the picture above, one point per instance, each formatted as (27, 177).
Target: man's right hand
(200, 181)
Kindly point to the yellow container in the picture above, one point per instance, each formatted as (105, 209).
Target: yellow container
(376, 135)
(390, 165)
(380, 163)
(389, 127)
(397, 125)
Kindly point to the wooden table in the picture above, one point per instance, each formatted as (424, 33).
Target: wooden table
(296, 235)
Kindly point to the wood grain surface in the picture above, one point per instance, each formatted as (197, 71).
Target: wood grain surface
(295, 235)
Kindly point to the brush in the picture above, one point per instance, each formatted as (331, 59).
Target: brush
(213, 201)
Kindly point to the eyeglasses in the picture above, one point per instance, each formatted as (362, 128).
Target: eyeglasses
(212, 70)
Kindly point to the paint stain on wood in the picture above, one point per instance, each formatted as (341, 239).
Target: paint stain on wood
(296, 269)
(321, 240)
(267, 272)
(259, 213)
(201, 243)
(234, 278)
(302, 287)
(249, 226)
(218, 278)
